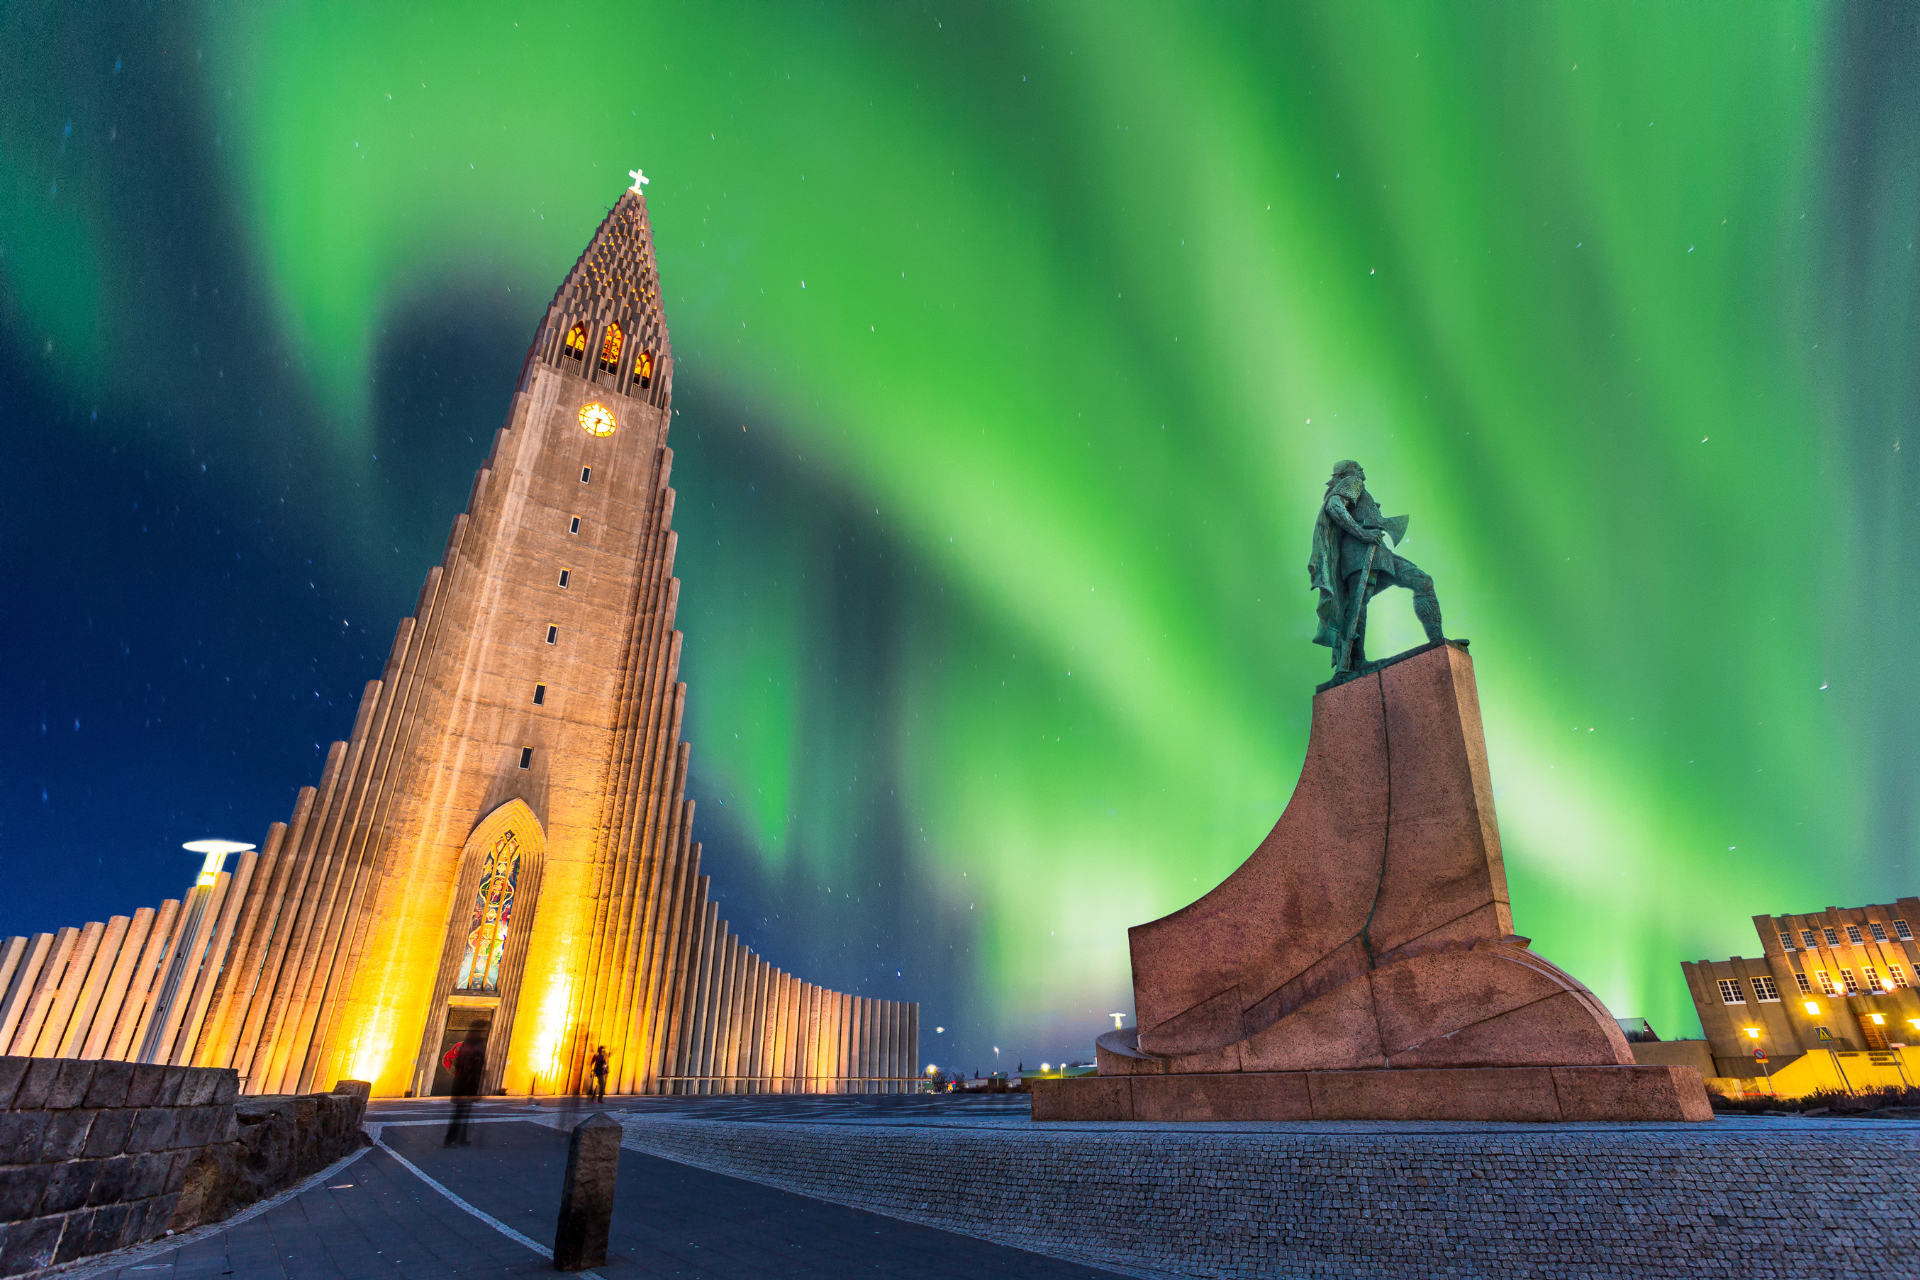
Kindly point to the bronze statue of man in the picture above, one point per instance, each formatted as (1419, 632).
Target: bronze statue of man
(1352, 562)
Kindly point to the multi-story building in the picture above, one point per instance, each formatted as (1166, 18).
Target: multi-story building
(1840, 979)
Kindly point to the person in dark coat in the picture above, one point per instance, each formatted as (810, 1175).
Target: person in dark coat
(469, 1065)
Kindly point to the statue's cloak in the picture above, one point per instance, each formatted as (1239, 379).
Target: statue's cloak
(1337, 556)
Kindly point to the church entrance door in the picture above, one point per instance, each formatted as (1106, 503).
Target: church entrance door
(461, 1023)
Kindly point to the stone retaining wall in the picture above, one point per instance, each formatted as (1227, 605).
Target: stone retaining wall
(1828, 1200)
(98, 1155)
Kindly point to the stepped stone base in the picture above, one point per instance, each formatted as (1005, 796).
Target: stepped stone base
(1467, 1093)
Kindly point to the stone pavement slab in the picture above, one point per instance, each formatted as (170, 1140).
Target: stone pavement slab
(373, 1219)
(377, 1219)
(673, 1220)
(1766, 1198)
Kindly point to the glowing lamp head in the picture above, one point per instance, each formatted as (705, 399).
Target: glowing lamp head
(1753, 1033)
(1879, 1019)
(596, 419)
(214, 852)
(1813, 1006)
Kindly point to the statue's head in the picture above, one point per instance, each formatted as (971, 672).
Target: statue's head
(1348, 479)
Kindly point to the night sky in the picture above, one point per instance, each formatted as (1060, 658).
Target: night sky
(1014, 345)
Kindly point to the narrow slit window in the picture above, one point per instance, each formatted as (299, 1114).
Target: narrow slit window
(553, 635)
(566, 576)
(610, 349)
(526, 757)
(643, 368)
(539, 695)
(586, 474)
(576, 345)
(576, 525)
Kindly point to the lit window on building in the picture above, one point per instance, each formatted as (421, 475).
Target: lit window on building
(1846, 977)
(1825, 981)
(1764, 988)
(492, 916)
(1833, 939)
(1730, 991)
(1806, 939)
(1872, 975)
(610, 349)
(643, 368)
(1853, 933)
(576, 347)
(1878, 931)
(1806, 988)
(1897, 976)
(1901, 931)
(1786, 940)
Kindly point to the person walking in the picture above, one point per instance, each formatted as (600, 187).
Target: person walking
(469, 1065)
(600, 1074)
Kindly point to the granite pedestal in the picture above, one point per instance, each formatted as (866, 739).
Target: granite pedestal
(1363, 963)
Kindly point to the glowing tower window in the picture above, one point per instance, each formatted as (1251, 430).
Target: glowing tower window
(492, 916)
(576, 344)
(643, 368)
(596, 420)
(610, 349)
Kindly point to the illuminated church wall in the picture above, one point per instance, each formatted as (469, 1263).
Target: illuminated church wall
(529, 712)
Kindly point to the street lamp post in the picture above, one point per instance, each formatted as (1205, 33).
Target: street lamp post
(186, 943)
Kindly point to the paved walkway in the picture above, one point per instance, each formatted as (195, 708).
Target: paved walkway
(378, 1218)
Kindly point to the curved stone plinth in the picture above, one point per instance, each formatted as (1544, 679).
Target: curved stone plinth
(1371, 931)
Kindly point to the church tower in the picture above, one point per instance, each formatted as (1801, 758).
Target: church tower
(502, 849)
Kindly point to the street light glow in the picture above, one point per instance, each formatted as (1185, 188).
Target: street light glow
(213, 853)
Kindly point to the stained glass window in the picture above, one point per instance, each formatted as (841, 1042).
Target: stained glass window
(576, 347)
(610, 349)
(492, 914)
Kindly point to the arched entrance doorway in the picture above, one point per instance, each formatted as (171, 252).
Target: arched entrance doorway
(478, 984)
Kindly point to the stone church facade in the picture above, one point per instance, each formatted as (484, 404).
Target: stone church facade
(502, 848)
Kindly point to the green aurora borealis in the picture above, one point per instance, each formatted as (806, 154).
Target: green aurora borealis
(1015, 343)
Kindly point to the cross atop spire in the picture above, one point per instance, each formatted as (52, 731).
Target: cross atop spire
(639, 179)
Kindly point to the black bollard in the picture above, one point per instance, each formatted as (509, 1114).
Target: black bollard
(586, 1197)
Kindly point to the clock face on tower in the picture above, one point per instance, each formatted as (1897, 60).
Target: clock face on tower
(596, 419)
